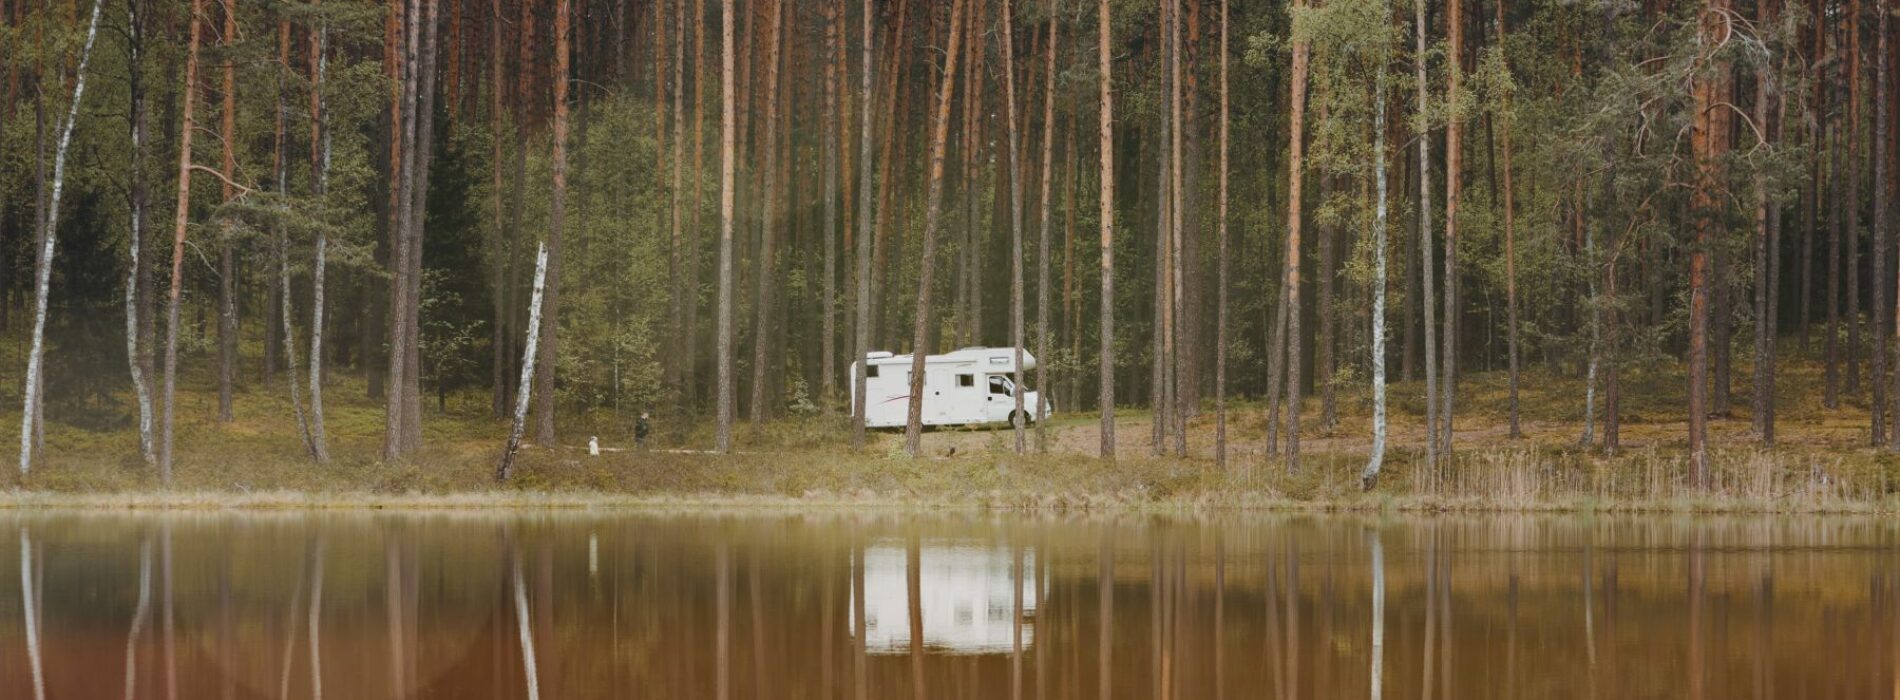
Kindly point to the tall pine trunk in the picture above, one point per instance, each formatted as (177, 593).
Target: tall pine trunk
(1454, 188)
(557, 226)
(828, 352)
(727, 164)
(1510, 243)
(181, 218)
(1105, 361)
(1042, 241)
(867, 171)
(227, 254)
(1426, 293)
(1018, 418)
(1220, 224)
(933, 206)
(1296, 166)
(768, 197)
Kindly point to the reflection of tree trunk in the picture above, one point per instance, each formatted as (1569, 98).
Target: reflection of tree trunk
(392, 595)
(140, 614)
(1430, 566)
(859, 660)
(523, 631)
(1697, 653)
(754, 597)
(170, 620)
(913, 586)
(1016, 622)
(30, 612)
(1105, 581)
(723, 564)
(290, 625)
(1377, 672)
(316, 616)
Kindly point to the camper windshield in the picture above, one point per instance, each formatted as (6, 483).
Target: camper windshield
(1002, 385)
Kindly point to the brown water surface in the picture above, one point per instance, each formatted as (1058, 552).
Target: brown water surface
(904, 605)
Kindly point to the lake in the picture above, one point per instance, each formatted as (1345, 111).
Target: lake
(899, 604)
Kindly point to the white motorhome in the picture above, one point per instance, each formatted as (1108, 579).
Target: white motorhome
(971, 386)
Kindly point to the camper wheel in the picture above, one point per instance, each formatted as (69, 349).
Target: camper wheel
(1020, 418)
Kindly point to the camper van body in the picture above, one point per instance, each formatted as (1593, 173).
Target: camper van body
(972, 386)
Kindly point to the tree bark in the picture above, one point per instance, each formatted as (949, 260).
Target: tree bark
(933, 206)
(866, 215)
(1454, 188)
(1220, 304)
(498, 243)
(1018, 418)
(768, 197)
(834, 33)
(181, 218)
(557, 226)
(43, 268)
(1510, 244)
(1105, 396)
(505, 467)
(1042, 241)
(1375, 461)
(1707, 146)
(227, 263)
(1426, 293)
(727, 117)
(320, 183)
(138, 264)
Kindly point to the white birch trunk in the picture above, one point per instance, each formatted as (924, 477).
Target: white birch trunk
(141, 384)
(139, 615)
(507, 464)
(43, 269)
(1376, 460)
(319, 445)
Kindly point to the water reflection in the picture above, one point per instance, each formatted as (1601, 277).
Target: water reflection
(448, 605)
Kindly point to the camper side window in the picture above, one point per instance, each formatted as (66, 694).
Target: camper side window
(870, 371)
(966, 380)
(999, 385)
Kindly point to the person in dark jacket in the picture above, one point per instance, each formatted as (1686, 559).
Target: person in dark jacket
(641, 429)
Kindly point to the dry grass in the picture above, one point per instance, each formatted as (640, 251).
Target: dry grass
(1822, 462)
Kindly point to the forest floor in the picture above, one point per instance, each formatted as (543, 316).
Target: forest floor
(1823, 460)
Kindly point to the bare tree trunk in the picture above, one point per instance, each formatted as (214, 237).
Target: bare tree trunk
(1106, 360)
(320, 180)
(1220, 305)
(557, 227)
(1162, 324)
(396, 414)
(181, 218)
(1454, 188)
(1764, 391)
(1850, 209)
(1510, 244)
(1376, 460)
(1882, 330)
(1296, 165)
(505, 467)
(1707, 141)
(227, 263)
(768, 196)
(498, 253)
(137, 263)
(1042, 245)
(727, 163)
(866, 216)
(1178, 361)
(1831, 392)
(933, 210)
(834, 34)
(1426, 292)
(43, 267)
(1018, 418)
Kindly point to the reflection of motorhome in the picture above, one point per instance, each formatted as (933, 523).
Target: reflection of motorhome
(971, 386)
(965, 595)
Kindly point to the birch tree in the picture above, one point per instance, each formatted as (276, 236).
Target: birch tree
(1376, 461)
(505, 467)
(135, 353)
(49, 237)
(320, 183)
